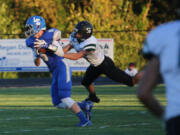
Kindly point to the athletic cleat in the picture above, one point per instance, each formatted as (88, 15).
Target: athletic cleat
(93, 99)
(88, 123)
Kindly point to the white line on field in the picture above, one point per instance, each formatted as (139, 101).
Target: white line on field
(46, 117)
(127, 125)
(49, 129)
(134, 124)
(7, 132)
(26, 130)
(46, 130)
(140, 112)
(43, 117)
(105, 126)
(24, 118)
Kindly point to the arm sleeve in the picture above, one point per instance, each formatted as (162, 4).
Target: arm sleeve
(30, 44)
(90, 47)
(156, 41)
(35, 53)
(57, 35)
(72, 38)
(56, 47)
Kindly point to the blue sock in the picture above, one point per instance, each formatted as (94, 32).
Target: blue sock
(81, 105)
(81, 116)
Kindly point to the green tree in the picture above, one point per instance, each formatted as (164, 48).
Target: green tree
(23, 9)
(7, 28)
(118, 21)
(7, 25)
(162, 11)
(122, 20)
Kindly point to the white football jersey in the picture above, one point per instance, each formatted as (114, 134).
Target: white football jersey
(90, 44)
(164, 42)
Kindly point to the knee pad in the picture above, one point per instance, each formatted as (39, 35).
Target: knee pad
(68, 102)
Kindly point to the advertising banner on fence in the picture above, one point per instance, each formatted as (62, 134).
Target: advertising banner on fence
(15, 56)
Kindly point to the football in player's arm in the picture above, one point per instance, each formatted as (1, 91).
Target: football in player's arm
(86, 46)
(46, 45)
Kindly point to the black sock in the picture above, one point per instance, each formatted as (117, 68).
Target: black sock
(92, 94)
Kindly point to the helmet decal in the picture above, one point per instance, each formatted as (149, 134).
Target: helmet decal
(34, 24)
(84, 28)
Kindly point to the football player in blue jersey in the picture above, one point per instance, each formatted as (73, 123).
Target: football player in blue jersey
(46, 45)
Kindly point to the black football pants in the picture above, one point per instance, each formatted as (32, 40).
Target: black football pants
(108, 68)
(173, 126)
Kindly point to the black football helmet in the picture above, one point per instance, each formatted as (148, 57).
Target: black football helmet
(84, 28)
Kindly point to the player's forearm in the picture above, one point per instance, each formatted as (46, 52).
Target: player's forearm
(153, 105)
(146, 86)
(37, 61)
(74, 56)
(67, 48)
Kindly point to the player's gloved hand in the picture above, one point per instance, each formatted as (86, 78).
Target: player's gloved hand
(43, 56)
(40, 55)
(40, 44)
(73, 34)
(56, 47)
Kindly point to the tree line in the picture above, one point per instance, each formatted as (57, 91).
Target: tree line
(126, 21)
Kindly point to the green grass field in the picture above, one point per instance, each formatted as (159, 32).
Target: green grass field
(29, 111)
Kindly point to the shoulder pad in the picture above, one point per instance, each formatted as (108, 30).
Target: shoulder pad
(90, 47)
(57, 35)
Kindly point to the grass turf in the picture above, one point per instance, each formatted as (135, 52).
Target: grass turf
(29, 111)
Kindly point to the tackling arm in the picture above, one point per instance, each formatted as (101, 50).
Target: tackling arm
(75, 56)
(146, 86)
(67, 48)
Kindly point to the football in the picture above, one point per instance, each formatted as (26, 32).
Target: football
(42, 50)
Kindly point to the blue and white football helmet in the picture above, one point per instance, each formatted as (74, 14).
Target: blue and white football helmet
(34, 24)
